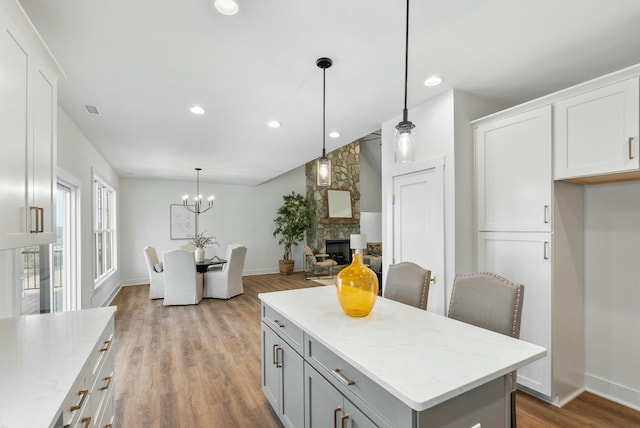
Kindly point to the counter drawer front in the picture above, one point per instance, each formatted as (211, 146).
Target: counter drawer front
(356, 386)
(103, 385)
(283, 327)
(76, 401)
(103, 348)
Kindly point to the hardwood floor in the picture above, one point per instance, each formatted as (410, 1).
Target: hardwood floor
(199, 366)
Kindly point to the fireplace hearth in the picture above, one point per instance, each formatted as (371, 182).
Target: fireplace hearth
(338, 250)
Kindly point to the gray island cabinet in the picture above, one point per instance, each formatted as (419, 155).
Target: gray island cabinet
(398, 367)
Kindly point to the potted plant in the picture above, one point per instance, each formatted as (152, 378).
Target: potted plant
(200, 240)
(294, 218)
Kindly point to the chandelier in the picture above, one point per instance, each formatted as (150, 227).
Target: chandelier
(197, 200)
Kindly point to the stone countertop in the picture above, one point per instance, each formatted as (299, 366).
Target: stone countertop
(41, 357)
(420, 357)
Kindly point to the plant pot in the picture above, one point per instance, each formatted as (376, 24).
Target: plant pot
(286, 267)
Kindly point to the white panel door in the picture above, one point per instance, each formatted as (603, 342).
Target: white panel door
(418, 227)
(525, 258)
(513, 172)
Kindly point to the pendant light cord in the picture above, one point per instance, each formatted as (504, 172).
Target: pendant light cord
(406, 65)
(324, 70)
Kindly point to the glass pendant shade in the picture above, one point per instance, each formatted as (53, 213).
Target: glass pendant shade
(405, 135)
(324, 171)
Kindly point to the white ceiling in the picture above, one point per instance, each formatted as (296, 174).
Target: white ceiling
(144, 63)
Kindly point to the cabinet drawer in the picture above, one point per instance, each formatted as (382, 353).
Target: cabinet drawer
(104, 347)
(103, 385)
(358, 387)
(107, 417)
(76, 402)
(283, 327)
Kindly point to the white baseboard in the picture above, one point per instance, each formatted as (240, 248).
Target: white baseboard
(620, 394)
(134, 281)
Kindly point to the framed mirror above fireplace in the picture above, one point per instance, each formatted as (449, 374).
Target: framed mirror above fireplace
(339, 203)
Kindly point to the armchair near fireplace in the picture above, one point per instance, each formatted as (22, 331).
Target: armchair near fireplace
(372, 256)
(316, 268)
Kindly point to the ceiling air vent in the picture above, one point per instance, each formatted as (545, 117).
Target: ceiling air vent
(92, 109)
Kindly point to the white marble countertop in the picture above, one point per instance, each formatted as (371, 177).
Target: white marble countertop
(41, 356)
(420, 357)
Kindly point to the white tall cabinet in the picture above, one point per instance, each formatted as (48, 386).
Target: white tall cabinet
(27, 131)
(517, 221)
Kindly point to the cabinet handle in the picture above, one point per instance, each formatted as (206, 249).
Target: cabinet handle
(107, 345)
(41, 223)
(86, 421)
(546, 210)
(546, 245)
(83, 393)
(106, 385)
(335, 416)
(108, 426)
(342, 377)
(630, 148)
(36, 221)
(273, 354)
(277, 360)
(278, 323)
(342, 419)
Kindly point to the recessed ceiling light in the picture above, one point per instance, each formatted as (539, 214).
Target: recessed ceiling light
(334, 134)
(197, 110)
(273, 124)
(433, 81)
(226, 7)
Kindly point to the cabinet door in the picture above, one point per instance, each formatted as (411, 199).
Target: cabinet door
(323, 403)
(525, 258)
(14, 71)
(292, 386)
(597, 132)
(43, 174)
(513, 172)
(270, 371)
(354, 418)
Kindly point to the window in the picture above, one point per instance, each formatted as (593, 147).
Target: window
(104, 230)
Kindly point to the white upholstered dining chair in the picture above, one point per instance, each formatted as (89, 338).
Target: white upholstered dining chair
(183, 284)
(156, 273)
(226, 282)
(489, 301)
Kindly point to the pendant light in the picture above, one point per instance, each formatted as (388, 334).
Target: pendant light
(404, 129)
(324, 164)
(197, 208)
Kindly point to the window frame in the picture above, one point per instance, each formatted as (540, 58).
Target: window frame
(104, 231)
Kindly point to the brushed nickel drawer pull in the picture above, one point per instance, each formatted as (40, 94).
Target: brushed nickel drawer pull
(106, 385)
(84, 393)
(630, 148)
(335, 416)
(546, 210)
(86, 422)
(273, 354)
(342, 377)
(278, 323)
(107, 345)
(546, 245)
(278, 362)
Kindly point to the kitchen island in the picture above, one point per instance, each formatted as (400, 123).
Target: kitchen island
(58, 369)
(398, 367)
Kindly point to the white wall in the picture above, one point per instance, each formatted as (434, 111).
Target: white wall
(442, 129)
(612, 291)
(242, 214)
(78, 157)
(370, 178)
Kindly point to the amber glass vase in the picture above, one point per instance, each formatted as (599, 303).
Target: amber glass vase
(357, 288)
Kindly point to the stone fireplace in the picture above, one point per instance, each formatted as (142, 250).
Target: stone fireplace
(338, 250)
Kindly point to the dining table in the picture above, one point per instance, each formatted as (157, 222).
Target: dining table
(202, 266)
